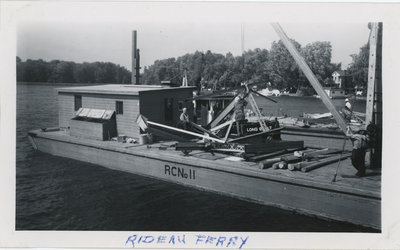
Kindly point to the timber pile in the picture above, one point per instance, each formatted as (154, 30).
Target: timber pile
(305, 161)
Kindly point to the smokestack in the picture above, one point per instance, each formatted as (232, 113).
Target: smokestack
(135, 60)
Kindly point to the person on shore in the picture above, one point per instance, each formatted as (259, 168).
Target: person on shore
(184, 119)
(239, 114)
(347, 111)
(360, 142)
(347, 104)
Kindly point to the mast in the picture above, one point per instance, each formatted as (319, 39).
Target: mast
(373, 113)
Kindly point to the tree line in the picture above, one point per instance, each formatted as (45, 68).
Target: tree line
(211, 70)
(57, 71)
(260, 66)
(217, 71)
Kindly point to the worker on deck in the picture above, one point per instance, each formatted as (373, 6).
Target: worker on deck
(275, 125)
(360, 141)
(184, 119)
(239, 114)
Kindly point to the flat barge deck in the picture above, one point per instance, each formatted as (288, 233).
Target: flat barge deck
(354, 200)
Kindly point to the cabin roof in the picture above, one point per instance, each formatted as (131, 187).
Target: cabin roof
(118, 89)
(228, 95)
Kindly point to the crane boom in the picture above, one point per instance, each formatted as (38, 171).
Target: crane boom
(310, 76)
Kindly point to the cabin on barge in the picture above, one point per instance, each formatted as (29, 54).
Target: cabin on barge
(159, 103)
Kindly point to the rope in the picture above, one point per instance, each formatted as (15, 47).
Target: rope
(340, 159)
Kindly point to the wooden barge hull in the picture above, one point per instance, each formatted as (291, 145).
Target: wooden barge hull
(294, 191)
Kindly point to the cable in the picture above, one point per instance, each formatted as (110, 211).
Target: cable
(340, 159)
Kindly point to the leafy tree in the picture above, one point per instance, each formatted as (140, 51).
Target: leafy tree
(358, 69)
(283, 70)
(318, 57)
(65, 72)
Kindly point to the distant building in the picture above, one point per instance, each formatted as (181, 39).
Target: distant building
(340, 78)
(333, 92)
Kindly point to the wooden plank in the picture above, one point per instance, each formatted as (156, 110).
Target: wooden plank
(310, 76)
(318, 164)
(224, 113)
(268, 155)
(265, 156)
(221, 126)
(203, 129)
(185, 132)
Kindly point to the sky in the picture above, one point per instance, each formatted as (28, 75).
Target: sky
(112, 41)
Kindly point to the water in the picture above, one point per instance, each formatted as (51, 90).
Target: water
(55, 193)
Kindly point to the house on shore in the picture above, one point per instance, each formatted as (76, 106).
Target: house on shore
(88, 106)
(340, 80)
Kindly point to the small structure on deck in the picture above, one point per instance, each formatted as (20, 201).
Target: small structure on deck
(159, 103)
(97, 124)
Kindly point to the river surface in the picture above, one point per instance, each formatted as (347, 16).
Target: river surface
(55, 193)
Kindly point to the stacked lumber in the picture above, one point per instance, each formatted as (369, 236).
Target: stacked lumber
(304, 161)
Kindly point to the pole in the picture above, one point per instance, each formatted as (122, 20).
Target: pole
(134, 49)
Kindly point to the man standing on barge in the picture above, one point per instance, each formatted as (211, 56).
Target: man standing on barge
(239, 114)
(184, 119)
(360, 142)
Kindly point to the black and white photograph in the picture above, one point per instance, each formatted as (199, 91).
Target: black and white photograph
(188, 125)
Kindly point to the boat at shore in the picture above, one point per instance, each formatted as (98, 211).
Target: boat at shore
(89, 117)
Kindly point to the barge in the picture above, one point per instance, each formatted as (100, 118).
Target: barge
(115, 107)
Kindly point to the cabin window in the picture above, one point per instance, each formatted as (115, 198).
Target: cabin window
(168, 112)
(180, 105)
(119, 107)
(78, 102)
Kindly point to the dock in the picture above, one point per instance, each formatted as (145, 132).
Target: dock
(354, 200)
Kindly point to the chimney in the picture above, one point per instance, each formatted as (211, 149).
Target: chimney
(135, 60)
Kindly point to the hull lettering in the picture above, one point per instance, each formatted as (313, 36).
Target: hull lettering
(180, 172)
